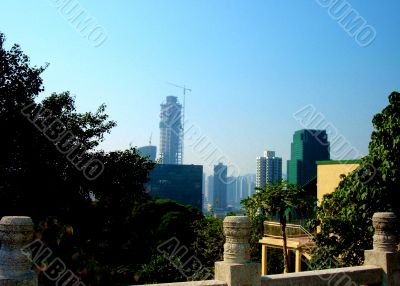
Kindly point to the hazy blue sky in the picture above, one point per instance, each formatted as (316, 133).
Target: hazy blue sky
(250, 64)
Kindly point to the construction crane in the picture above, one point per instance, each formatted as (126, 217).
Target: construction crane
(184, 89)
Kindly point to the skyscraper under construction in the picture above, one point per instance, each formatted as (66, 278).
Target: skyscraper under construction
(171, 132)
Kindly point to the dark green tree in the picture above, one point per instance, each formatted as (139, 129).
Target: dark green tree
(159, 270)
(36, 179)
(152, 224)
(208, 244)
(85, 220)
(345, 216)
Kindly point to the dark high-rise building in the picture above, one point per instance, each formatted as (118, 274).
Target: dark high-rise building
(220, 186)
(171, 132)
(308, 146)
(182, 183)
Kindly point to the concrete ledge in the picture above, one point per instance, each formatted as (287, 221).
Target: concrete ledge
(351, 276)
(238, 274)
(389, 262)
(194, 283)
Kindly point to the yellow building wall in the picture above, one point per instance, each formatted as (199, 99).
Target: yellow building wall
(328, 177)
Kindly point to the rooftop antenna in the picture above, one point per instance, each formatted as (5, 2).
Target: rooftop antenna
(151, 135)
(184, 89)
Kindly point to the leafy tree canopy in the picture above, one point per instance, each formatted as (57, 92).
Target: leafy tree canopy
(345, 216)
(36, 178)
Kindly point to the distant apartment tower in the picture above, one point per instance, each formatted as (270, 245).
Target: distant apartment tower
(273, 167)
(261, 172)
(248, 185)
(232, 190)
(210, 189)
(148, 151)
(308, 147)
(269, 169)
(171, 132)
(220, 187)
(251, 184)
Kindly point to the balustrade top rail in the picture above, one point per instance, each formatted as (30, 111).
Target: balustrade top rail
(193, 283)
(274, 229)
(359, 275)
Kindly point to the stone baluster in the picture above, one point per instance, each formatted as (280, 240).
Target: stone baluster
(237, 269)
(15, 265)
(384, 253)
(237, 234)
(384, 235)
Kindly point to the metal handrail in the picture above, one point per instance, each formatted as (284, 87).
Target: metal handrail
(292, 230)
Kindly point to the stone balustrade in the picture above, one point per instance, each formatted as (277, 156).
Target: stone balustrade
(349, 276)
(381, 266)
(195, 283)
(384, 252)
(237, 269)
(382, 263)
(237, 234)
(384, 235)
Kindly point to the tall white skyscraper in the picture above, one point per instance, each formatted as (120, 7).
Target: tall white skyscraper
(269, 169)
(171, 132)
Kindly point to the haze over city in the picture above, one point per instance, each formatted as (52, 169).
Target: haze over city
(199, 143)
(250, 68)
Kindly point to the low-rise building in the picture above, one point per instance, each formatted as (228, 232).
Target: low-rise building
(329, 172)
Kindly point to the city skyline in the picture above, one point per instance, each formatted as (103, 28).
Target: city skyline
(253, 69)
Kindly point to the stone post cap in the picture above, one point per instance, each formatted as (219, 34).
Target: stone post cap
(237, 228)
(16, 224)
(385, 215)
(16, 220)
(237, 219)
(384, 235)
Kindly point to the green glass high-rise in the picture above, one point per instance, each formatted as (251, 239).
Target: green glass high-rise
(308, 146)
